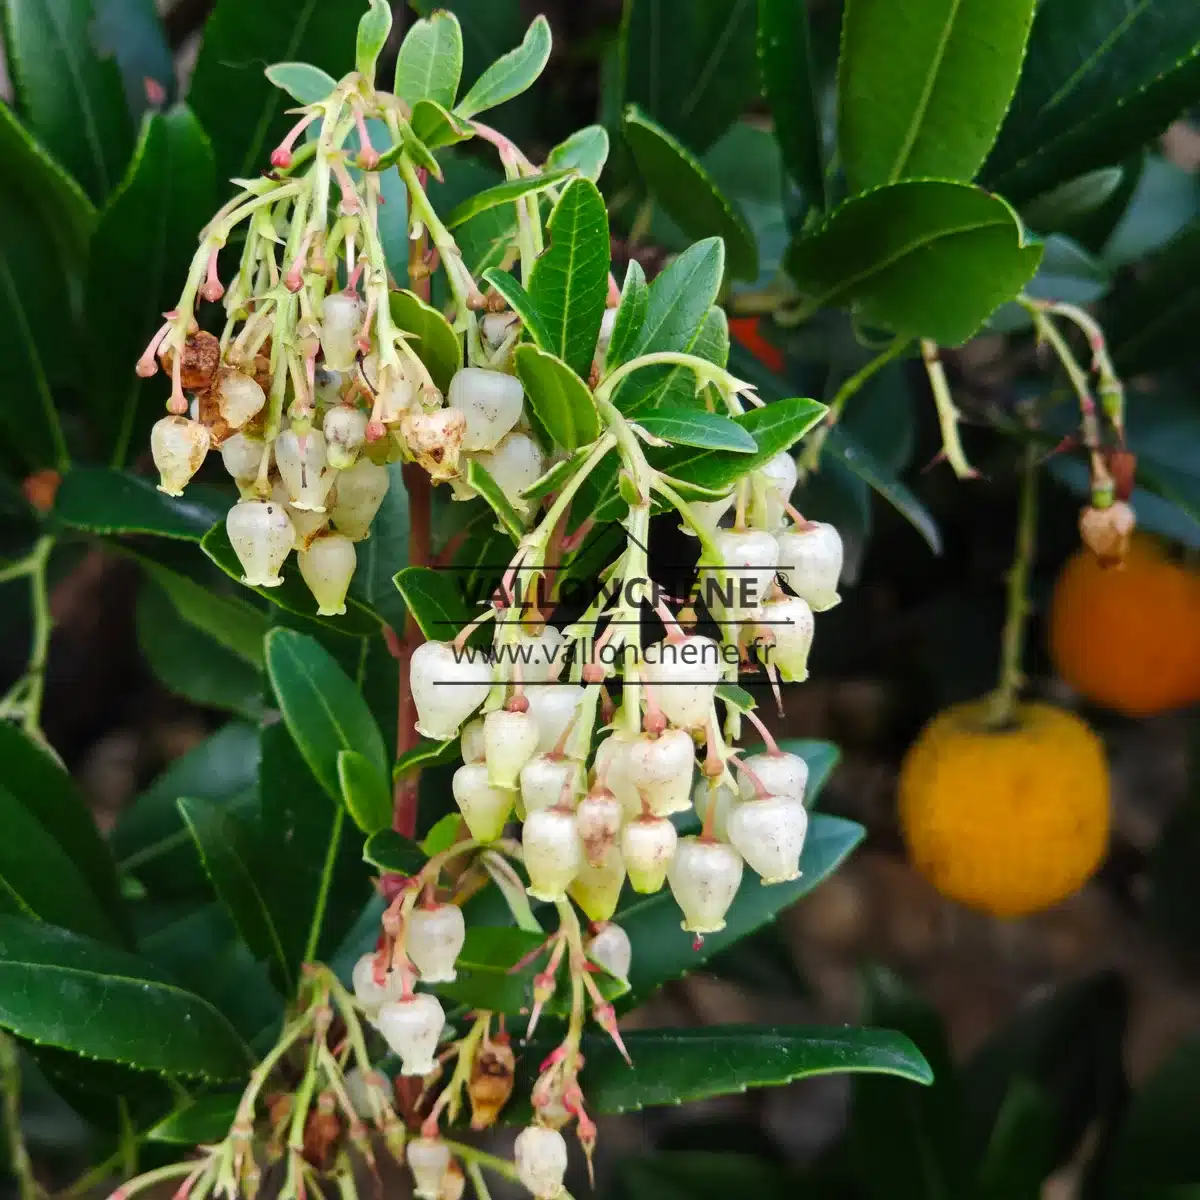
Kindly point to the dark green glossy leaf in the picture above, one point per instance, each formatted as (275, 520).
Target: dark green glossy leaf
(71, 97)
(690, 64)
(364, 792)
(1017, 1161)
(1067, 273)
(143, 244)
(922, 88)
(436, 344)
(558, 397)
(131, 31)
(585, 151)
(322, 708)
(511, 74)
(425, 754)
(121, 1009)
(678, 181)
(655, 387)
(1100, 79)
(693, 427)
(302, 81)
(631, 313)
(569, 283)
(98, 500)
(204, 1122)
(232, 858)
(243, 113)
(681, 297)
(391, 851)
(521, 302)
(373, 29)
(1072, 200)
(429, 64)
(507, 192)
(786, 65)
(435, 601)
(926, 258)
(490, 490)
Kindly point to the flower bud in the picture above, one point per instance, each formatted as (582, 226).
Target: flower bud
(360, 492)
(1107, 532)
(704, 878)
(781, 774)
(242, 456)
(471, 743)
(262, 537)
(301, 463)
(553, 707)
(435, 440)
(372, 996)
(411, 1029)
(597, 889)
(239, 397)
(751, 556)
(306, 524)
(446, 688)
(514, 464)
(490, 402)
(341, 319)
(495, 327)
(686, 673)
(435, 940)
(609, 946)
(541, 1158)
(493, 1074)
(780, 475)
(510, 740)
(648, 845)
(553, 854)
(810, 561)
(178, 447)
(608, 322)
(345, 430)
(712, 791)
(484, 808)
(769, 834)
(661, 770)
(429, 1159)
(598, 819)
(785, 629)
(327, 566)
(546, 780)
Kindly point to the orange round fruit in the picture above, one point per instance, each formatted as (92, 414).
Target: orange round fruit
(1007, 821)
(1128, 638)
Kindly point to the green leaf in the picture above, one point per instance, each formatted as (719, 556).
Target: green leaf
(490, 490)
(443, 835)
(1017, 1160)
(736, 697)
(144, 241)
(1101, 78)
(425, 754)
(131, 31)
(373, 29)
(429, 64)
(435, 601)
(520, 301)
(302, 81)
(70, 97)
(569, 283)
(786, 65)
(436, 343)
(922, 88)
(585, 151)
(693, 427)
(98, 500)
(204, 1122)
(391, 851)
(680, 298)
(631, 315)
(435, 127)
(121, 1008)
(242, 112)
(925, 258)
(680, 184)
(558, 396)
(1072, 200)
(511, 74)
(364, 792)
(1067, 273)
(233, 860)
(323, 710)
(690, 64)
(504, 193)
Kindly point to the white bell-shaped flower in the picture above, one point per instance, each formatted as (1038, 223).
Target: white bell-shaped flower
(781, 774)
(810, 560)
(495, 327)
(708, 792)
(553, 852)
(302, 467)
(471, 743)
(612, 769)
(242, 457)
(598, 819)
(648, 845)
(262, 537)
(392, 390)
(514, 464)
(341, 321)
(345, 431)
(428, 1159)
(661, 770)
(510, 740)
(769, 834)
(541, 1157)
(327, 386)
(780, 475)
(685, 674)
(704, 878)
(491, 403)
(411, 1029)
(547, 780)
(597, 889)
(435, 440)
(750, 557)
(553, 708)
(540, 654)
(447, 687)
(370, 994)
(708, 513)
(327, 566)
(239, 397)
(485, 808)
(784, 629)
(360, 492)
(305, 524)
(435, 940)
(610, 947)
(178, 447)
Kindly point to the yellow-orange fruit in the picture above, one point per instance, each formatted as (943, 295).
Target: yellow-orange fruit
(1128, 638)
(1007, 821)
